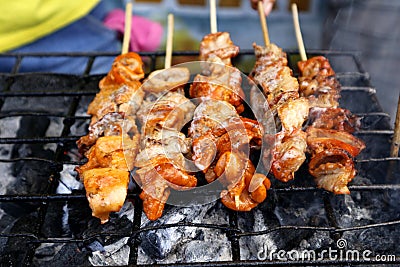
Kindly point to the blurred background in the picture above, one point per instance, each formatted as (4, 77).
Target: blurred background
(238, 18)
(368, 27)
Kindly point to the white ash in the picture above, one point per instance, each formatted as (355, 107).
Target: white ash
(81, 112)
(355, 213)
(304, 212)
(116, 254)
(178, 244)
(6, 176)
(9, 126)
(55, 126)
(188, 244)
(199, 251)
(300, 215)
(350, 213)
(363, 208)
(318, 240)
(251, 246)
(5, 169)
(68, 180)
(47, 251)
(79, 128)
(54, 130)
(83, 105)
(6, 179)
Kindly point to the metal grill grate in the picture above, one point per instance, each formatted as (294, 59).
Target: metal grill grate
(356, 86)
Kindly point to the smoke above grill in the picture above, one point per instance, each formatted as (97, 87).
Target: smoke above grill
(45, 218)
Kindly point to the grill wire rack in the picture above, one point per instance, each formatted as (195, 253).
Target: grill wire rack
(355, 85)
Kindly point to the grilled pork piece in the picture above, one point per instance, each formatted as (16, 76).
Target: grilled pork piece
(288, 154)
(123, 98)
(239, 196)
(120, 89)
(331, 161)
(318, 83)
(105, 190)
(225, 87)
(218, 45)
(111, 124)
(106, 174)
(220, 81)
(221, 144)
(333, 169)
(334, 118)
(321, 139)
(117, 152)
(166, 80)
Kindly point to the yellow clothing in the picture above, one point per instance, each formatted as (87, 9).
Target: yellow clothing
(22, 22)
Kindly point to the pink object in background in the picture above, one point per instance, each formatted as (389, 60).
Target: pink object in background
(146, 35)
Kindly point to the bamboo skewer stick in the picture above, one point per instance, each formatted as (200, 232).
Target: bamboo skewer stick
(213, 17)
(127, 29)
(168, 48)
(299, 36)
(394, 150)
(213, 26)
(263, 23)
(170, 37)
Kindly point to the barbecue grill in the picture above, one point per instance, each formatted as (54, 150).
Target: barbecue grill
(44, 221)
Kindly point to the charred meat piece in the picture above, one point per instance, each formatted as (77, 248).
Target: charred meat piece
(332, 169)
(218, 45)
(111, 124)
(318, 83)
(225, 87)
(321, 139)
(288, 154)
(335, 119)
(106, 190)
(166, 80)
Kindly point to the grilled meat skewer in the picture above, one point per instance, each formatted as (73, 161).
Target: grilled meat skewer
(329, 138)
(161, 163)
(281, 90)
(112, 143)
(221, 138)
